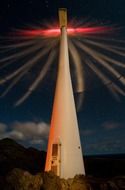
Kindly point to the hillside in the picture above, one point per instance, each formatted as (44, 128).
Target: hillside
(23, 169)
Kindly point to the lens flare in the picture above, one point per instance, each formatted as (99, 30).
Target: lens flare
(70, 30)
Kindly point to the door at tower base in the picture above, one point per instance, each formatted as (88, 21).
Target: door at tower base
(56, 158)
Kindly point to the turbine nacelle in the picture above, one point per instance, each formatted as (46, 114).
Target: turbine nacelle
(63, 17)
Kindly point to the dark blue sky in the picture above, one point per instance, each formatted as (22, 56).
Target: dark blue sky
(101, 118)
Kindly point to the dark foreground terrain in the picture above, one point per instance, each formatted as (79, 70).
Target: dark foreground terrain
(22, 169)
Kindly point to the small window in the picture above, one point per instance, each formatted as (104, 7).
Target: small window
(55, 150)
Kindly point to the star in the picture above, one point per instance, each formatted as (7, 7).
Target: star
(8, 5)
(30, 2)
(46, 2)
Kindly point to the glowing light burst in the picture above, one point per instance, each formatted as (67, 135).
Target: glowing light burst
(25, 49)
(56, 31)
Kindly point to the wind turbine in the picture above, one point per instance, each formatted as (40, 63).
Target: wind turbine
(64, 153)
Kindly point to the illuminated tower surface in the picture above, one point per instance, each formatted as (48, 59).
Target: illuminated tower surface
(64, 154)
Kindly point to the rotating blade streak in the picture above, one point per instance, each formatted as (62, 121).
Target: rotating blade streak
(30, 63)
(107, 58)
(23, 48)
(13, 83)
(79, 70)
(17, 45)
(23, 52)
(106, 81)
(38, 79)
(107, 40)
(99, 59)
(106, 47)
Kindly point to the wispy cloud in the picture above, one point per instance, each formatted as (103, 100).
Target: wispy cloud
(33, 133)
(106, 146)
(87, 132)
(3, 128)
(111, 125)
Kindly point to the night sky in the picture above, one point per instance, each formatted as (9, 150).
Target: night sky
(101, 118)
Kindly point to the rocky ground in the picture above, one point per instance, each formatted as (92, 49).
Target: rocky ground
(22, 169)
(19, 179)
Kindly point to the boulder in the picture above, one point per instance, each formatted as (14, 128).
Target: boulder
(66, 184)
(18, 179)
(51, 181)
(79, 183)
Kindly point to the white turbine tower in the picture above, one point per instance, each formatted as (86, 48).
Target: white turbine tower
(64, 154)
